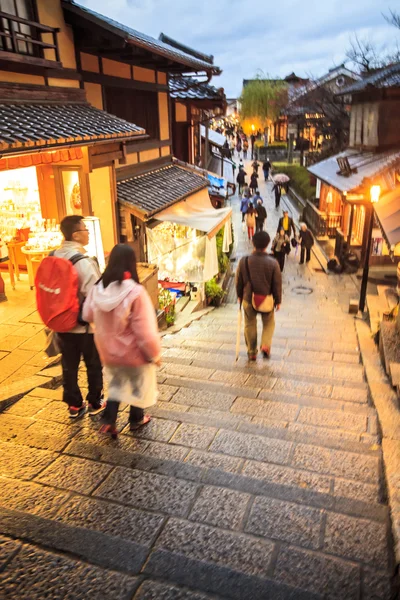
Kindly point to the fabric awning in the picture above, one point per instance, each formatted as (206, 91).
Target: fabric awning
(197, 212)
(388, 212)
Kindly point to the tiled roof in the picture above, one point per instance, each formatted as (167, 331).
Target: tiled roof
(141, 39)
(155, 190)
(187, 88)
(39, 125)
(387, 77)
(367, 164)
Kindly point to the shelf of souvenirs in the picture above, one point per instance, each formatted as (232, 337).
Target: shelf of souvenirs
(48, 237)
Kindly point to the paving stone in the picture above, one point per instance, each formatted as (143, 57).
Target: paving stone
(161, 406)
(331, 418)
(303, 387)
(352, 373)
(55, 411)
(285, 521)
(337, 462)
(375, 585)
(30, 497)
(36, 342)
(229, 377)
(269, 423)
(308, 356)
(74, 474)
(165, 451)
(356, 490)
(23, 462)
(220, 507)
(221, 415)
(214, 461)
(41, 392)
(121, 452)
(158, 429)
(345, 347)
(166, 392)
(194, 436)
(211, 545)
(7, 548)
(330, 577)
(183, 371)
(266, 409)
(200, 344)
(251, 446)
(35, 574)
(287, 476)
(11, 342)
(204, 398)
(349, 394)
(48, 435)
(259, 381)
(346, 358)
(148, 491)
(152, 590)
(323, 433)
(357, 539)
(117, 521)
(180, 353)
(27, 406)
(12, 425)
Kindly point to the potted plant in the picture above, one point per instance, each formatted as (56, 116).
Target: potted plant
(214, 292)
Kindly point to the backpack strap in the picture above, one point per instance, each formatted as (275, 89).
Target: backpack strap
(246, 261)
(77, 257)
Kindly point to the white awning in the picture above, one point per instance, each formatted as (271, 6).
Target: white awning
(197, 212)
(217, 139)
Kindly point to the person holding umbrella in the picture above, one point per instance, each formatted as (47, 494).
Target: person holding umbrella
(278, 193)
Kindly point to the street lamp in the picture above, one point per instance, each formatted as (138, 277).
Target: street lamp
(375, 192)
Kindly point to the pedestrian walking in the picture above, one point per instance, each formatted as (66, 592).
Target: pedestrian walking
(259, 288)
(286, 223)
(253, 181)
(244, 205)
(73, 268)
(278, 192)
(307, 242)
(261, 215)
(255, 166)
(245, 147)
(257, 197)
(253, 141)
(238, 145)
(250, 221)
(266, 168)
(126, 335)
(241, 180)
(281, 247)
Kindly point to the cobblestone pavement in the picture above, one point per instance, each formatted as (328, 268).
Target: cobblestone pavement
(252, 481)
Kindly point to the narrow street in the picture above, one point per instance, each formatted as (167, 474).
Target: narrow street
(252, 481)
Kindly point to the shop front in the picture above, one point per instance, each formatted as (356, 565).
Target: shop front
(343, 201)
(38, 188)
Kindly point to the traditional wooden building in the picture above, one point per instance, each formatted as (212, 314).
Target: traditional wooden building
(77, 91)
(373, 158)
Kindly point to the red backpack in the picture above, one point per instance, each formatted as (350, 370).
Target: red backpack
(57, 287)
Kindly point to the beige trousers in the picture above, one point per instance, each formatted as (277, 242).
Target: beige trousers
(250, 328)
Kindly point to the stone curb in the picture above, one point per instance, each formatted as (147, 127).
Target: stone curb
(386, 404)
(196, 316)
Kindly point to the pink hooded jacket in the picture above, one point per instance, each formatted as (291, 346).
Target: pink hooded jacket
(126, 332)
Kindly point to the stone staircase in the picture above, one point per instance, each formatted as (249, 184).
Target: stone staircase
(257, 480)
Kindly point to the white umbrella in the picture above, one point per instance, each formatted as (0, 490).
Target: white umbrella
(281, 178)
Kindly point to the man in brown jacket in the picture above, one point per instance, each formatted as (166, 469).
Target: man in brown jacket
(266, 278)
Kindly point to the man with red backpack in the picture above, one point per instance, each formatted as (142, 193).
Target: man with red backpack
(63, 281)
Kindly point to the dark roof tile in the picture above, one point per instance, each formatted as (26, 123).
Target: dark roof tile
(383, 78)
(55, 124)
(153, 191)
(187, 88)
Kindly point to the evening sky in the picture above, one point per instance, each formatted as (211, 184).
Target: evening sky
(305, 36)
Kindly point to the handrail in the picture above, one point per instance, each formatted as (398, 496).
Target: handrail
(44, 28)
(35, 39)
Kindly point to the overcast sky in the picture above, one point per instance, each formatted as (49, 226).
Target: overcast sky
(305, 36)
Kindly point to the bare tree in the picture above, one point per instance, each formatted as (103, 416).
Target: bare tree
(363, 54)
(393, 18)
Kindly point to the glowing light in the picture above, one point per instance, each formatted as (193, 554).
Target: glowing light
(375, 192)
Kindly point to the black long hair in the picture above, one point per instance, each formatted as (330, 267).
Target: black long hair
(122, 259)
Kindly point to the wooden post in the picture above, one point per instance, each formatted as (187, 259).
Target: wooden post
(206, 146)
(290, 148)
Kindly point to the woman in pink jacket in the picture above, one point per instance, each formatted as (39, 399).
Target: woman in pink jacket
(126, 336)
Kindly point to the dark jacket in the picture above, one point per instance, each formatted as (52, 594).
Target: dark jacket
(277, 190)
(241, 176)
(265, 276)
(266, 165)
(290, 228)
(261, 213)
(253, 180)
(306, 239)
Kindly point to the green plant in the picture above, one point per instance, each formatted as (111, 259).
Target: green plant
(263, 98)
(170, 318)
(223, 258)
(299, 179)
(214, 291)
